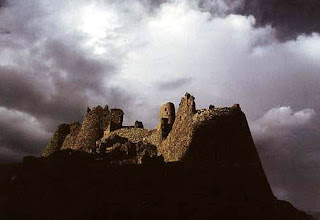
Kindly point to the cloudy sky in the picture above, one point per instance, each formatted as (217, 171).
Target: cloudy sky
(58, 57)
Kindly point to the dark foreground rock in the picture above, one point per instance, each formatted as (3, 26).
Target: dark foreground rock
(76, 185)
(197, 164)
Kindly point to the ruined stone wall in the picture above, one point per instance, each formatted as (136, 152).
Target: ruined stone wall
(134, 135)
(112, 120)
(175, 145)
(55, 143)
(91, 130)
(116, 117)
(84, 137)
(77, 136)
(70, 139)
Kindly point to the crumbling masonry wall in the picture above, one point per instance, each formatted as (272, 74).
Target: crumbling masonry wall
(70, 139)
(95, 122)
(77, 136)
(175, 145)
(55, 143)
(91, 130)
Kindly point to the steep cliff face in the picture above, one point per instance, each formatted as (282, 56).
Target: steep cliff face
(218, 139)
(222, 140)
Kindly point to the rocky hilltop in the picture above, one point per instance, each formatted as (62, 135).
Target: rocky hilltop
(197, 164)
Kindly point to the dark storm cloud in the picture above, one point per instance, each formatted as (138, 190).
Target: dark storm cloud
(218, 7)
(47, 76)
(18, 140)
(154, 3)
(20, 134)
(289, 17)
(2, 3)
(62, 92)
(56, 77)
(50, 100)
(174, 84)
(3, 31)
(18, 90)
(286, 143)
(26, 93)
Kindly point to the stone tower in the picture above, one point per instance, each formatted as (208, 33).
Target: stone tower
(167, 116)
(55, 143)
(91, 130)
(94, 124)
(112, 120)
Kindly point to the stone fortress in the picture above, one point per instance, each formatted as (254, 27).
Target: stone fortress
(174, 139)
(210, 136)
(213, 137)
(197, 164)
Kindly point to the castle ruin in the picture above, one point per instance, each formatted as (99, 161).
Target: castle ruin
(208, 136)
(201, 163)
